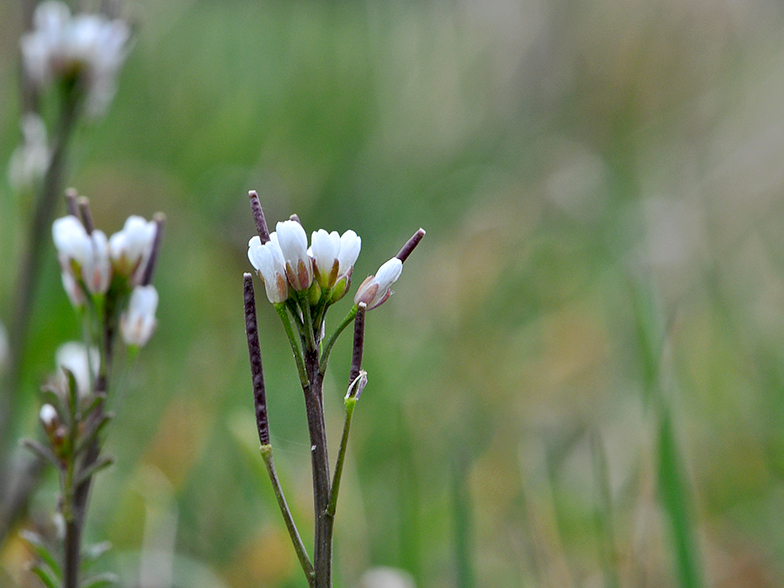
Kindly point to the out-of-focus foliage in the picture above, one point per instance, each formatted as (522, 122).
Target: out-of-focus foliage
(602, 283)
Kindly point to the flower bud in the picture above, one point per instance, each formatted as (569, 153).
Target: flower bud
(293, 244)
(268, 261)
(83, 364)
(49, 418)
(130, 248)
(138, 323)
(374, 291)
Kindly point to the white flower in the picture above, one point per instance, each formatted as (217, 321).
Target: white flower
(81, 252)
(375, 289)
(271, 267)
(4, 348)
(350, 245)
(324, 248)
(87, 48)
(293, 244)
(97, 271)
(75, 357)
(48, 416)
(71, 240)
(333, 255)
(30, 161)
(130, 248)
(138, 323)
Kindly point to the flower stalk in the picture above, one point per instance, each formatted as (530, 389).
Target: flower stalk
(302, 283)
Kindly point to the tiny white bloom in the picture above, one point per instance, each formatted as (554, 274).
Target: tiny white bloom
(71, 240)
(375, 289)
(4, 348)
(83, 364)
(350, 245)
(293, 244)
(324, 248)
(138, 323)
(47, 415)
(30, 161)
(97, 271)
(271, 267)
(130, 248)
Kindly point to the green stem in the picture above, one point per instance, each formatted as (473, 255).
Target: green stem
(299, 547)
(310, 338)
(328, 348)
(333, 499)
(280, 308)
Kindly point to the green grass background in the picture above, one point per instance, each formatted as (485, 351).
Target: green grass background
(578, 381)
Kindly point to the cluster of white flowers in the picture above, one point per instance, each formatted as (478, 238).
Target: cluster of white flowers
(87, 49)
(91, 262)
(30, 161)
(285, 261)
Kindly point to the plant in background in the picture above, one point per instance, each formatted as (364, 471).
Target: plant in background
(302, 283)
(108, 281)
(70, 64)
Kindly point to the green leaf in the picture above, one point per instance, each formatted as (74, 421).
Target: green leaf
(46, 576)
(675, 494)
(42, 551)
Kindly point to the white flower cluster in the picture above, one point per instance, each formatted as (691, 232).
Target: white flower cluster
(286, 261)
(87, 49)
(90, 261)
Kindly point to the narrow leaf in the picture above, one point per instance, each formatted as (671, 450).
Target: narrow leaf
(42, 451)
(99, 464)
(42, 551)
(46, 576)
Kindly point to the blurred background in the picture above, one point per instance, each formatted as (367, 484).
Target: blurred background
(579, 379)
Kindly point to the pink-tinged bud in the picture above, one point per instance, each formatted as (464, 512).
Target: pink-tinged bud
(138, 323)
(268, 261)
(293, 244)
(374, 291)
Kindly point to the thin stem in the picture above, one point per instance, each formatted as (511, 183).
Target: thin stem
(295, 348)
(299, 547)
(29, 273)
(333, 499)
(328, 348)
(310, 338)
(72, 553)
(320, 467)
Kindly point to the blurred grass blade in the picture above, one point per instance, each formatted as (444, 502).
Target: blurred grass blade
(462, 516)
(604, 518)
(675, 494)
